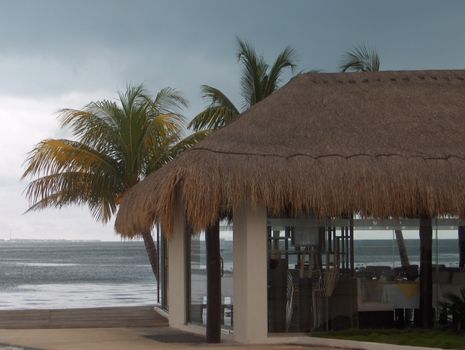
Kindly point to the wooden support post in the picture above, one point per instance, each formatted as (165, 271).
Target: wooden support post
(158, 266)
(346, 249)
(164, 272)
(328, 247)
(352, 260)
(462, 247)
(426, 273)
(321, 245)
(212, 236)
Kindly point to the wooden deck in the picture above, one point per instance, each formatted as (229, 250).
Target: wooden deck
(138, 316)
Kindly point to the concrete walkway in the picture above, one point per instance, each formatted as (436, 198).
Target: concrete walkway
(109, 339)
(107, 317)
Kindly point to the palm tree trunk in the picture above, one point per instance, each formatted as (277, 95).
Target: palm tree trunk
(402, 249)
(152, 253)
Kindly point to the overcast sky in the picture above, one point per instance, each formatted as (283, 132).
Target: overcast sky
(57, 54)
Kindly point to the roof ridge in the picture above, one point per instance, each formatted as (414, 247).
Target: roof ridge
(381, 76)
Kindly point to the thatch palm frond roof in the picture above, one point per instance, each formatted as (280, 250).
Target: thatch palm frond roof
(379, 144)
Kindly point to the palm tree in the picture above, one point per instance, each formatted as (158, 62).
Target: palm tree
(360, 59)
(258, 81)
(115, 145)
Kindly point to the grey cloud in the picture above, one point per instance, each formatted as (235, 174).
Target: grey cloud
(51, 46)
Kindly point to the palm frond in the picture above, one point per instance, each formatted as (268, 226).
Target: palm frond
(164, 153)
(214, 117)
(253, 79)
(216, 97)
(168, 100)
(164, 115)
(72, 173)
(161, 133)
(219, 113)
(95, 125)
(131, 97)
(77, 188)
(164, 126)
(52, 200)
(55, 156)
(187, 143)
(360, 59)
(286, 59)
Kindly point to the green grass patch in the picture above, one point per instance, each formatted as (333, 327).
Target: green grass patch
(414, 337)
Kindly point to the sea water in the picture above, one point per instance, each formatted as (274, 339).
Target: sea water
(374, 252)
(386, 252)
(65, 274)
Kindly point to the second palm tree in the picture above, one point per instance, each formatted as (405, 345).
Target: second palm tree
(258, 81)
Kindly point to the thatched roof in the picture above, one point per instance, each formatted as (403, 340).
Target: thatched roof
(379, 144)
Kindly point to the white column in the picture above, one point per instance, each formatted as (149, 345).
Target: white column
(177, 300)
(250, 274)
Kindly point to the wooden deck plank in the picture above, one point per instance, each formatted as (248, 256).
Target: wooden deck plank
(139, 316)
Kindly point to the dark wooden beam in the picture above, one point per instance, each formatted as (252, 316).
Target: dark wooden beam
(352, 260)
(426, 273)
(212, 237)
(158, 257)
(164, 272)
(462, 247)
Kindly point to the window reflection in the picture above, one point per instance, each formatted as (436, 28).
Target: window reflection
(198, 277)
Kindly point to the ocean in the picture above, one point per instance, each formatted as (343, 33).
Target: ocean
(66, 274)
(385, 252)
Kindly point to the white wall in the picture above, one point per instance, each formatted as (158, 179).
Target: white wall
(250, 274)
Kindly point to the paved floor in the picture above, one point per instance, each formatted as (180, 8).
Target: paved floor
(110, 339)
(131, 316)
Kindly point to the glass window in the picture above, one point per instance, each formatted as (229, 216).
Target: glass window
(198, 277)
(339, 273)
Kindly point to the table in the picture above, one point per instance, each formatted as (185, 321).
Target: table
(402, 295)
